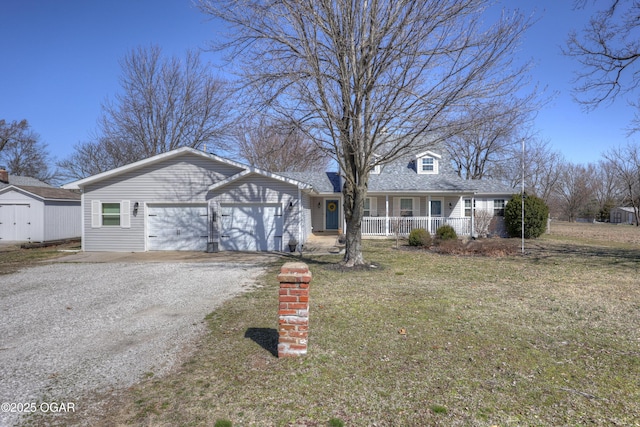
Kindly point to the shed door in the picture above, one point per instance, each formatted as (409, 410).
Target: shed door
(177, 228)
(251, 227)
(15, 222)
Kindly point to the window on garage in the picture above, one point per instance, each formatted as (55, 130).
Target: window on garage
(111, 214)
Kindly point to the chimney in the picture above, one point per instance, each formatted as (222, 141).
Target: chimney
(4, 175)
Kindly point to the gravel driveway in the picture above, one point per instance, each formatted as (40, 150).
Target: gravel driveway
(67, 329)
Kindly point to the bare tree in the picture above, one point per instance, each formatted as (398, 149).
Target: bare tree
(574, 189)
(541, 168)
(23, 153)
(369, 80)
(607, 191)
(608, 48)
(93, 157)
(278, 147)
(625, 162)
(491, 133)
(164, 104)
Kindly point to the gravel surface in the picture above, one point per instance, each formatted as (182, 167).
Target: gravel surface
(69, 329)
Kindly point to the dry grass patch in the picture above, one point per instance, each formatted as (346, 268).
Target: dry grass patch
(423, 339)
(14, 258)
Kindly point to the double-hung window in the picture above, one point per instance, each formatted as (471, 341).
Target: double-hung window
(111, 214)
(467, 207)
(498, 207)
(427, 164)
(406, 207)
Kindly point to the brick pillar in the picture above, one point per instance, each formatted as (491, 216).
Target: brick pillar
(293, 312)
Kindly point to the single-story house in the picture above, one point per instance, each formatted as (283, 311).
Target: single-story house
(33, 211)
(622, 215)
(187, 199)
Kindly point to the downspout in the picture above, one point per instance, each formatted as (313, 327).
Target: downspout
(300, 239)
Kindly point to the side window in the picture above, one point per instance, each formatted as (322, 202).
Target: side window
(498, 207)
(111, 214)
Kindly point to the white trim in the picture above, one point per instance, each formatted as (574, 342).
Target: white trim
(429, 154)
(436, 166)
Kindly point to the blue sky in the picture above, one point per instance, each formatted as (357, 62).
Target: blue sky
(60, 61)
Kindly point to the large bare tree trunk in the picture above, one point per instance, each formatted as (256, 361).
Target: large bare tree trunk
(354, 196)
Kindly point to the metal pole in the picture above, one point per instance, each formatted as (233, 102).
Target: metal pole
(522, 197)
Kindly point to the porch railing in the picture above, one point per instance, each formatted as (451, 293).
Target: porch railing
(387, 226)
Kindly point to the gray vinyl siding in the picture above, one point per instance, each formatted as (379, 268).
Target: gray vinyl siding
(180, 180)
(260, 189)
(62, 220)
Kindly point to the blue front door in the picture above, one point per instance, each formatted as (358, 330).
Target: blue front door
(332, 209)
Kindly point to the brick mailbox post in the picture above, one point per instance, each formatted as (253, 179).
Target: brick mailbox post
(293, 310)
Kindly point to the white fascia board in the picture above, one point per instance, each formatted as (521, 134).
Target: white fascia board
(428, 153)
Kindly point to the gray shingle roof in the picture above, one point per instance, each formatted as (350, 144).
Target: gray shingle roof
(401, 176)
(24, 180)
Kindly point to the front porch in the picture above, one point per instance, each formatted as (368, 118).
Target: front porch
(389, 226)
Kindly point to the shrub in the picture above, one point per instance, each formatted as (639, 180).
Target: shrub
(446, 232)
(419, 237)
(535, 216)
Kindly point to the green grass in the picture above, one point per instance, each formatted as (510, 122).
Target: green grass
(551, 338)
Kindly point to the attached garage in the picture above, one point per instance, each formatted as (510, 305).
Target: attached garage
(177, 227)
(251, 227)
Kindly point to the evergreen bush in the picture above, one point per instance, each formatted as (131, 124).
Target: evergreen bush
(419, 237)
(446, 232)
(535, 216)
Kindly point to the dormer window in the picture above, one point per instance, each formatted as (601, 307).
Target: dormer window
(427, 163)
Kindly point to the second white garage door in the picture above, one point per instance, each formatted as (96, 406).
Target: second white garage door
(177, 228)
(251, 227)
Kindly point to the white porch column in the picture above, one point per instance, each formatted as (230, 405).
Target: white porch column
(473, 205)
(386, 215)
(429, 214)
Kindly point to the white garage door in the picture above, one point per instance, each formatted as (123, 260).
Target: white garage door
(15, 222)
(251, 227)
(177, 228)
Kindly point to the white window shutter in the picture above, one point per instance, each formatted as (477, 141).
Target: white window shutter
(96, 220)
(125, 214)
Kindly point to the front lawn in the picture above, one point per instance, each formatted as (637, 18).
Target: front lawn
(423, 339)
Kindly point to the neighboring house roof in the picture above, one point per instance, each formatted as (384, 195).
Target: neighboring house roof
(179, 152)
(45, 193)
(24, 180)
(626, 209)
